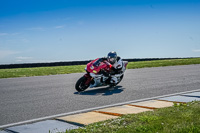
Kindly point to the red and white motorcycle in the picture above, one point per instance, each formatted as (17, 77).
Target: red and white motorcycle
(95, 77)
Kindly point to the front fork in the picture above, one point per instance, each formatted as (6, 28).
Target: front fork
(89, 79)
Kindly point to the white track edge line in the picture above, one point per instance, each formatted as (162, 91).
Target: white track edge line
(90, 109)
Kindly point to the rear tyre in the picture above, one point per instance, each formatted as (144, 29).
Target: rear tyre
(80, 84)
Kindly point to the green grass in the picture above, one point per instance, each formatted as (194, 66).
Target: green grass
(41, 71)
(158, 63)
(183, 118)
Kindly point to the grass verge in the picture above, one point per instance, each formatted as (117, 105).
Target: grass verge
(183, 118)
(159, 63)
(41, 71)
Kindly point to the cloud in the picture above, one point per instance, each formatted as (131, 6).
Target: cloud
(14, 34)
(196, 50)
(24, 40)
(5, 53)
(23, 59)
(36, 29)
(80, 22)
(3, 34)
(9, 34)
(59, 27)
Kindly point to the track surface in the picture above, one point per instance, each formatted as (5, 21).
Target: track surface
(34, 97)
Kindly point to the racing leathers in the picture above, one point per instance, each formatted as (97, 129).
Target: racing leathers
(116, 69)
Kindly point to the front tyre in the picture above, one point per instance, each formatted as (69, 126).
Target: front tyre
(121, 77)
(80, 84)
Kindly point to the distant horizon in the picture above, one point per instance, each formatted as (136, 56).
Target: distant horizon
(93, 59)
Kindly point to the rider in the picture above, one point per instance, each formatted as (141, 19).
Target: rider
(116, 63)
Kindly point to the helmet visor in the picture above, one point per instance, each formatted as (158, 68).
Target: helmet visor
(112, 60)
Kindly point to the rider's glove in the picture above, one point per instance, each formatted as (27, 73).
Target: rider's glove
(105, 73)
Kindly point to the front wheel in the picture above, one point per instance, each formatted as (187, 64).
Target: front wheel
(120, 79)
(80, 84)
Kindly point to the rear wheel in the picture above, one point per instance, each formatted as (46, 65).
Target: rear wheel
(80, 84)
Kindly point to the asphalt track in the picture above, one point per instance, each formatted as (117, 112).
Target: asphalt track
(28, 98)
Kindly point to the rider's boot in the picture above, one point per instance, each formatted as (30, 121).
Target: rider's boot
(93, 85)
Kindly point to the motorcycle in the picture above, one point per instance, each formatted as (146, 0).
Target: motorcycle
(99, 74)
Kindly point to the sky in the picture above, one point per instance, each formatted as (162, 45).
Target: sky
(33, 31)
